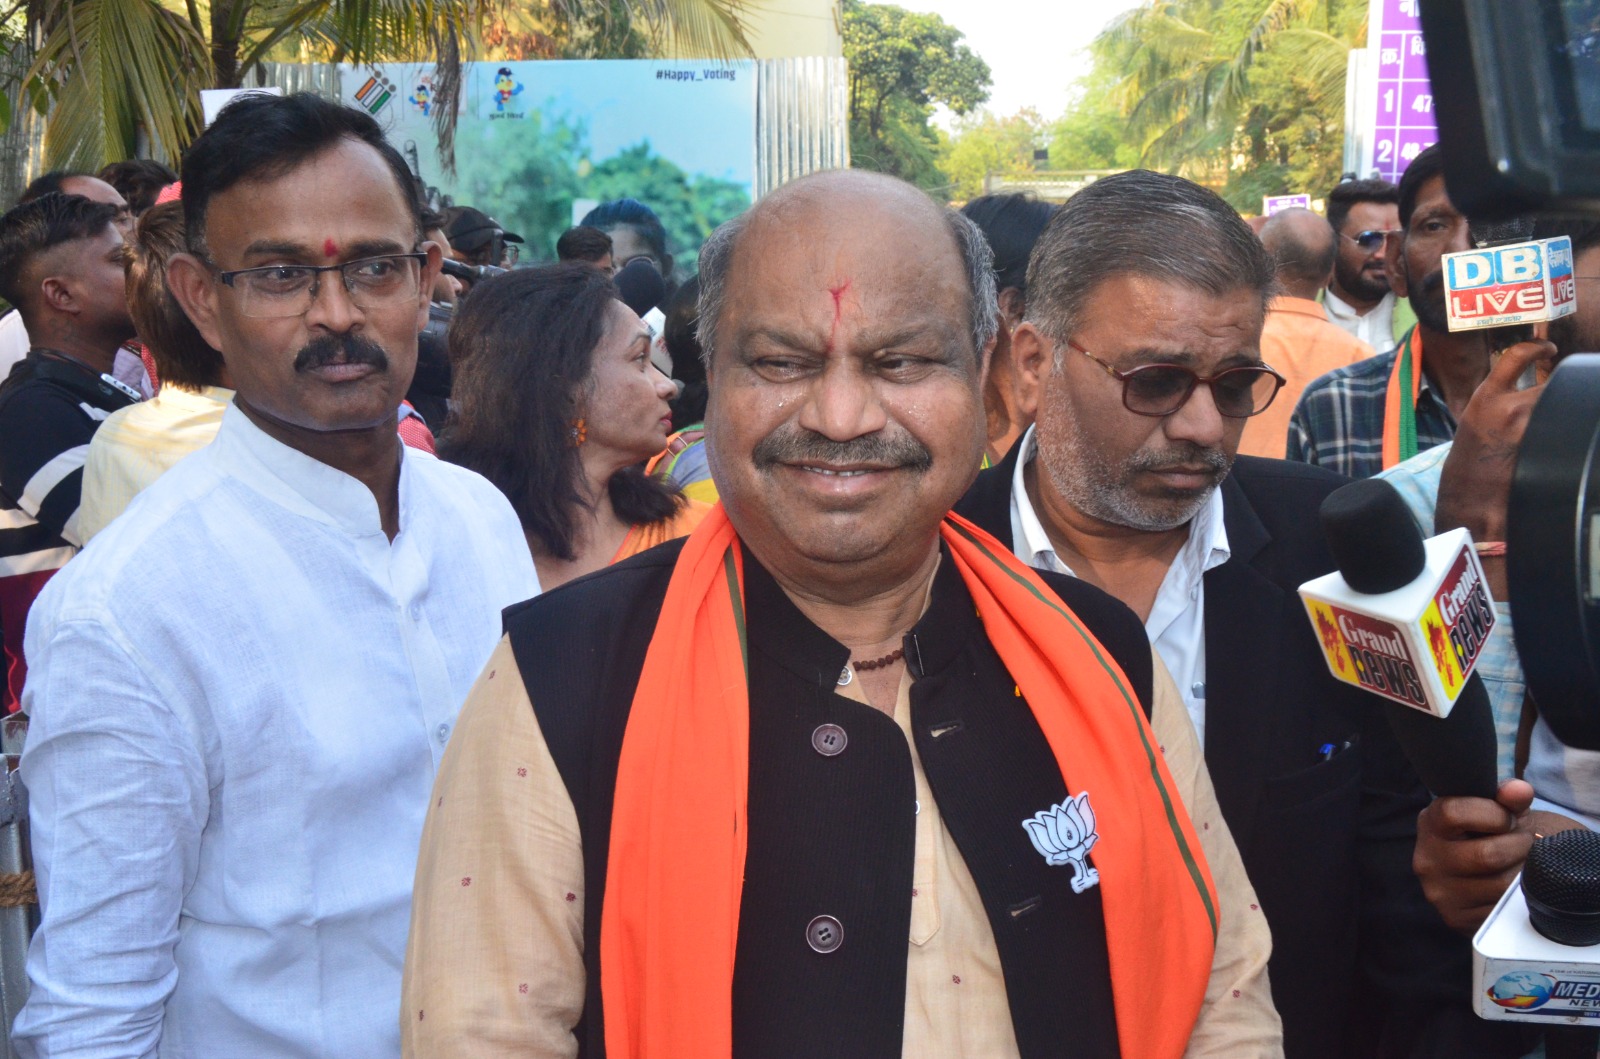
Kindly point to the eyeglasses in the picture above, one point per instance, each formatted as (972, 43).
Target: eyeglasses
(278, 291)
(1372, 238)
(1161, 389)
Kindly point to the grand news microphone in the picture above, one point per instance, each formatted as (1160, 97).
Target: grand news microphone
(1406, 619)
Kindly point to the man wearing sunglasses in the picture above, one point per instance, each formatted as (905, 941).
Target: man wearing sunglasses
(1140, 355)
(1363, 214)
(240, 693)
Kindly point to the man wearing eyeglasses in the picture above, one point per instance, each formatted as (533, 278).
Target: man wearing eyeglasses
(1363, 214)
(1140, 355)
(239, 695)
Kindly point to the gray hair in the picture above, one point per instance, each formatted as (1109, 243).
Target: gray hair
(983, 306)
(1147, 224)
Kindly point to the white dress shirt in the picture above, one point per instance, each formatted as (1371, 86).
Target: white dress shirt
(14, 342)
(1177, 622)
(1375, 328)
(239, 698)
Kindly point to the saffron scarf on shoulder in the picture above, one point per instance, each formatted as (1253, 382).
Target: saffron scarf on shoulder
(1400, 400)
(678, 825)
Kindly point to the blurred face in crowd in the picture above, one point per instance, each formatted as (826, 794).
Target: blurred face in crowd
(96, 190)
(1362, 272)
(845, 416)
(627, 244)
(82, 284)
(1437, 228)
(625, 407)
(1115, 466)
(333, 365)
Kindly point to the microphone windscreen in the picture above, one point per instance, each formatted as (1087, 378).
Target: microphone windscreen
(1561, 882)
(1454, 755)
(1502, 232)
(641, 285)
(1374, 540)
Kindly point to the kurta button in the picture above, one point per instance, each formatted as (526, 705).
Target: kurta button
(824, 934)
(443, 732)
(416, 612)
(829, 739)
(846, 675)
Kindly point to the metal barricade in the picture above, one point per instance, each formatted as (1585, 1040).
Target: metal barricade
(19, 903)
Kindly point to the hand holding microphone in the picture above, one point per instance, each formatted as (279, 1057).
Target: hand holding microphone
(1475, 482)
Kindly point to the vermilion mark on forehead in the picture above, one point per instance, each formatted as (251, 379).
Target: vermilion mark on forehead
(838, 292)
(330, 248)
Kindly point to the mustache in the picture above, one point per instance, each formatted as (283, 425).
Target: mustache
(348, 348)
(797, 445)
(1186, 455)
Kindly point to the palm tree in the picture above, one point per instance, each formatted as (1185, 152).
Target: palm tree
(108, 70)
(1185, 69)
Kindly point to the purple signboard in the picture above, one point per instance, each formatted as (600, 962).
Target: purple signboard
(1403, 122)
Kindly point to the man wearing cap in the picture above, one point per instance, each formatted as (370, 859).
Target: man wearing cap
(478, 239)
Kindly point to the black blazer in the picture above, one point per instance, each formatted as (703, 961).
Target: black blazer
(1361, 965)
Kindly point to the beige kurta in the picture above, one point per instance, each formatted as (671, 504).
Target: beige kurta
(495, 963)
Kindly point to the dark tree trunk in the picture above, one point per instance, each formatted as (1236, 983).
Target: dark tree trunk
(225, 43)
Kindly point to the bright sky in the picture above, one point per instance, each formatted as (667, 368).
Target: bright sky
(1034, 49)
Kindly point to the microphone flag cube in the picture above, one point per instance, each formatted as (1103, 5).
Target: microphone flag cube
(1416, 645)
(1523, 283)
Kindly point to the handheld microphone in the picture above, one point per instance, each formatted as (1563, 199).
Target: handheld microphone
(641, 285)
(1407, 619)
(1500, 284)
(470, 273)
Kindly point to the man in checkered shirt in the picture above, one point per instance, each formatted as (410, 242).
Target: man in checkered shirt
(1339, 422)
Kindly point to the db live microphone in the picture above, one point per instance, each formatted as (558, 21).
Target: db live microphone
(1406, 619)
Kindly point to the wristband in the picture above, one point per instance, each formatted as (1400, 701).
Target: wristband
(1490, 549)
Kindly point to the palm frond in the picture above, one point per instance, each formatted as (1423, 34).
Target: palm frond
(1319, 58)
(113, 67)
(1275, 17)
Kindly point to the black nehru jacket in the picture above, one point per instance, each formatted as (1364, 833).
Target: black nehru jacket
(834, 833)
(1362, 966)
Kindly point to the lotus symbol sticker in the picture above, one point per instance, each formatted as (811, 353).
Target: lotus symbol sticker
(1064, 834)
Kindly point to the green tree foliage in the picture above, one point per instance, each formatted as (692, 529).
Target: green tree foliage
(1247, 95)
(984, 144)
(106, 70)
(1092, 134)
(902, 64)
(690, 207)
(533, 173)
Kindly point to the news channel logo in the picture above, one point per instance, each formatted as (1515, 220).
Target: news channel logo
(1522, 990)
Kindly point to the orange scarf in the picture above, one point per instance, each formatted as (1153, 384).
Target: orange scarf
(669, 928)
(1400, 400)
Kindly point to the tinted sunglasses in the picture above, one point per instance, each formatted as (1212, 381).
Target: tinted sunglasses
(1372, 238)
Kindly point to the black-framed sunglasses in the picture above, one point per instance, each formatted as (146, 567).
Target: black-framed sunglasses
(1372, 238)
(1161, 389)
(278, 291)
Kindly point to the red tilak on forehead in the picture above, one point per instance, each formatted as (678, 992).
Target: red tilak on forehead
(330, 248)
(838, 292)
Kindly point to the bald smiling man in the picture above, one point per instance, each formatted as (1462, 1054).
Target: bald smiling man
(837, 774)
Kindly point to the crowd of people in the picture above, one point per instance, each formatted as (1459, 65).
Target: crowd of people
(883, 641)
